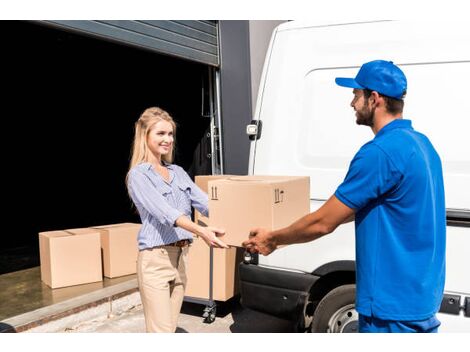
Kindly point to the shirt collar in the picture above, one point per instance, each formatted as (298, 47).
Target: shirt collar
(167, 165)
(149, 166)
(397, 123)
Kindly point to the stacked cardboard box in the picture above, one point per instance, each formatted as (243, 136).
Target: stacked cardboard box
(70, 257)
(119, 248)
(202, 182)
(225, 278)
(81, 256)
(241, 203)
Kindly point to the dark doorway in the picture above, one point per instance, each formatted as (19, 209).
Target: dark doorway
(68, 110)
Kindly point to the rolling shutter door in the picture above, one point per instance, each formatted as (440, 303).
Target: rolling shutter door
(191, 40)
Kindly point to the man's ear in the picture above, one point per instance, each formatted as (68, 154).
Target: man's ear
(375, 97)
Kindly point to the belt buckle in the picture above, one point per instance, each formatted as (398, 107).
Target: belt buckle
(181, 243)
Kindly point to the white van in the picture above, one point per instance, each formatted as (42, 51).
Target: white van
(304, 125)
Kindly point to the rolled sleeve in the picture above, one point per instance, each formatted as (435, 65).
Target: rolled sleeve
(145, 193)
(199, 199)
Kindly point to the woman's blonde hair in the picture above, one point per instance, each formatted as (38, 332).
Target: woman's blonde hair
(148, 119)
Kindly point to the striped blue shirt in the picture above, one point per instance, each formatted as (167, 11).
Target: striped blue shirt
(160, 203)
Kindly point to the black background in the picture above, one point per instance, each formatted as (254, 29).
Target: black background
(69, 105)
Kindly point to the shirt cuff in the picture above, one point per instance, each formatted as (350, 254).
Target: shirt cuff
(345, 201)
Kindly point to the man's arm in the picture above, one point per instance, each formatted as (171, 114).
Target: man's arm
(308, 228)
(349, 219)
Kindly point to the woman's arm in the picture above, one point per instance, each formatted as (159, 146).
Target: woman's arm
(199, 198)
(208, 234)
(143, 192)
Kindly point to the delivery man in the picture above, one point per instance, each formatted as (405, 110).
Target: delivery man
(394, 191)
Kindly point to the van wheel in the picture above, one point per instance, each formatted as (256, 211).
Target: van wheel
(336, 312)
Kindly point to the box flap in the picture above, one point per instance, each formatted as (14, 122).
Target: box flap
(53, 234)
(82, 231)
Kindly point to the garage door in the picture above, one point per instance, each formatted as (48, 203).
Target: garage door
(191, 40)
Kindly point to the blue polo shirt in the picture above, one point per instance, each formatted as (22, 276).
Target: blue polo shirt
(395, 185)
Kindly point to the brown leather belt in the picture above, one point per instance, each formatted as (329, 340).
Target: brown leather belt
(180, 243)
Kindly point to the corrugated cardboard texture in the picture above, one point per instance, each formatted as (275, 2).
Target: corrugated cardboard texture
(241, 203)
(119, 248)
(70, 257)
(225, 276)
(202, 181)
(225, 281)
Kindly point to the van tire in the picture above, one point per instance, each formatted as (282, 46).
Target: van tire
(336, 311)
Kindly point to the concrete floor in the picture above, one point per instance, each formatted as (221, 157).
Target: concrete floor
(231, 318)
(113, 305)
(23, 291)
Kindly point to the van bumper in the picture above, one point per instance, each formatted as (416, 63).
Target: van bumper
(280, 293)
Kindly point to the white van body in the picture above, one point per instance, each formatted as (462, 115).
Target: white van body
(309, 128)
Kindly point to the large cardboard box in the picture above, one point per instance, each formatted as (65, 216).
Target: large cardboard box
(224, 276)
(119, 248)
(241, 203)
(225, 261)
(70, 257)
(202, 182)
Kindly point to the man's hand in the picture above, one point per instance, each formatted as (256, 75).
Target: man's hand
(260, 241)
(308, 228)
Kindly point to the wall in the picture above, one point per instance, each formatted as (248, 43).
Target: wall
(260, 36)
(243, 46)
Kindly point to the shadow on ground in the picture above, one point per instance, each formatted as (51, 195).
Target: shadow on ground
(244, 320)
(222, 310)
(6, 328)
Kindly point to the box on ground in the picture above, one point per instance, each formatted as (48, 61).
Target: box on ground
(119, 248)
(225, 273)
(70, 257)
(241, 203)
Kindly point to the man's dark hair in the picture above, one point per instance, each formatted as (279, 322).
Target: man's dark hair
(394, 106)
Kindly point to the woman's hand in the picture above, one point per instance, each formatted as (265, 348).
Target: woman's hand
(210, 236)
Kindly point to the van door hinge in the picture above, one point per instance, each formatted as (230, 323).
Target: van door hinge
(253, 130)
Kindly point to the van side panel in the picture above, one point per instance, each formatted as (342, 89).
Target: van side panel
(309, 126)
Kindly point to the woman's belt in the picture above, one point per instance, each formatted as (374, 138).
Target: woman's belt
(180, 243)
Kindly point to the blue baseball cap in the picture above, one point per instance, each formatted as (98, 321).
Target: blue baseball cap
(382, 76)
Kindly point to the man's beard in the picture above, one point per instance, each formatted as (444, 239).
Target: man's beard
(365, 116)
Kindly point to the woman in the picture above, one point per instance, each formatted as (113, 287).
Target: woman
(163, 194)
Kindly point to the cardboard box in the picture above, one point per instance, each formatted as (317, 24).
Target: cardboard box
(70, 257)
(202, 182)
(225, 261)
(119, 248)
(225, 271)
(241, 203)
